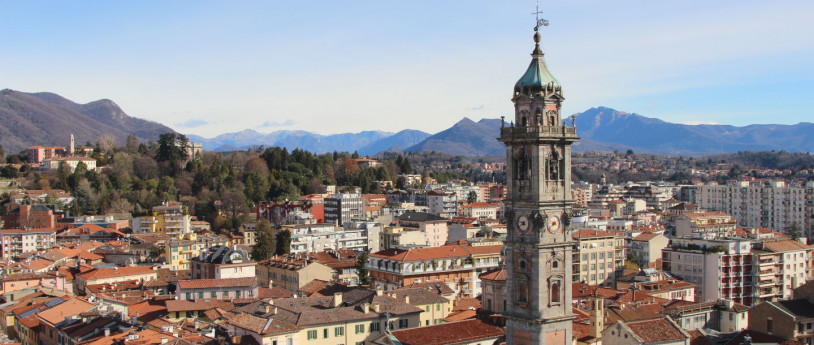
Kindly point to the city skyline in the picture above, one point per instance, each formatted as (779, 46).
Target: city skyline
(212, 68)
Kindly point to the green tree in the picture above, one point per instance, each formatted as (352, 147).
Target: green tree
(283, 242)
(265, 247)
(472, 197)
(794, 231)
(632, 262)
(2, 154)
(361, 269)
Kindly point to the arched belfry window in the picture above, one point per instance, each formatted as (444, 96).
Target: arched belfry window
(555, 292)
(522, 291)
(538, 117)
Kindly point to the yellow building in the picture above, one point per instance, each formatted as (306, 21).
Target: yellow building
(599, 257)
(179, 251)
(169, 218)
(434, 306)
(335, 320)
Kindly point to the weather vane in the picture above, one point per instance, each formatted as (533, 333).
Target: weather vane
(540, 21)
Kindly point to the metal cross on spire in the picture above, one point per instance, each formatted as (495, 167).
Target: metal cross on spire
(540, 21)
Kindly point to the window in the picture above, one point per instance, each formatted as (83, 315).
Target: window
(189, 296)
(213, 294)
(769, 325)
(403, 323)
(427, 308)
(325, 333)
(311, 335)
(339, 331)
(374, 326)
(200, 294)
(555, 292)
(438, 307)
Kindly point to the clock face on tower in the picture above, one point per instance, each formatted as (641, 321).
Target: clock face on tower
(523, 223)
(553, 224)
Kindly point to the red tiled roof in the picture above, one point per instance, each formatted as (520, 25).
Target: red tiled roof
(656, 330)
(499, 275)
(217, 283)
(644, 237)
(590, 233)
(112, 272)
(448, 333)
(174, 305)
(442, 252)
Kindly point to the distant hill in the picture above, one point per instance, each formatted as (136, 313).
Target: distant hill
(645, 134)
(28, 119)
(396, 142)
(291, 139)
(467, 138)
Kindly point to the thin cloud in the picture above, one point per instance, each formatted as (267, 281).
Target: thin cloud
(480, 107)
(285, 123)
(192, 123)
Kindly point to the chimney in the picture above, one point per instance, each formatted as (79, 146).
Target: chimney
(407, 299)
(597, 317)
(164, 340)
(379, 291)
(337, 299)
(366, 307)
(376, 308)
(107, 332)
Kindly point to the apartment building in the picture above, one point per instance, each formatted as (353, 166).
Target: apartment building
(599, 256)
(761, 204)
(647, 247)
(780, 266)
(344, 208)
(480, 210)
(181, 250)
(721, 268)
(291, 272)
(435, 227)
(456, 264)
(221, 262)
(29, 217)
(441, 203)
(221, 289)
(705, 224)
(15, 242)
(169, 218)
(312, 238)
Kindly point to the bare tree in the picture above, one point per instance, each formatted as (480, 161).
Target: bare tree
(106, 143)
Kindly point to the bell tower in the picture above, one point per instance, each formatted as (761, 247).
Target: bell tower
(538, 242)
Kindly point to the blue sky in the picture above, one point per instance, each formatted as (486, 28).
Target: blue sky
(213, 67)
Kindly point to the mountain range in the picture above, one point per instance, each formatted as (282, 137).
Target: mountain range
(28, 119)
(47, 119)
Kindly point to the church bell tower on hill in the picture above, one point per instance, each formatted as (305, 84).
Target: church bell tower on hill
(538, 242)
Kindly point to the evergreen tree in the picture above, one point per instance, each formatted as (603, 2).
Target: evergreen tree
(472, 197)
(361, 269)
(265, 246)
(283, 242)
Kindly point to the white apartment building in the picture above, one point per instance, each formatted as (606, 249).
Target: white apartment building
(767, 204)
(18, 241)
(441, 203)
(312, 238)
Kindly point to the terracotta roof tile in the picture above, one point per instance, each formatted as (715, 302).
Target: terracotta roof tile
(217, 283)
(657, 330)
(112, 272)
(468, 331)
(261, 325)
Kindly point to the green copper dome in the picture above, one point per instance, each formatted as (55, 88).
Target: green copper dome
(537, 76)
